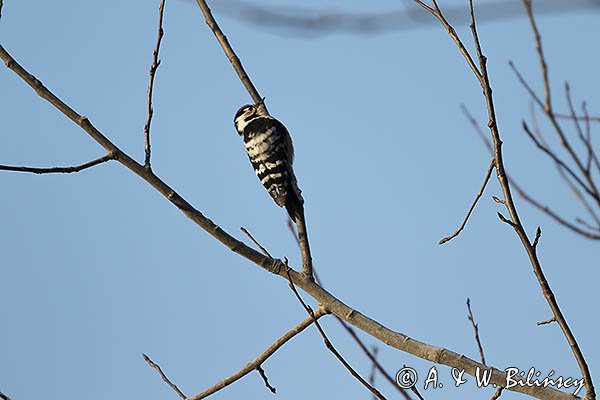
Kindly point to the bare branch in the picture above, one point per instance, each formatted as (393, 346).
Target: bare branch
(263, 375)
(374, 351)
(497, 393)
(538, 235)
(586, 118)
(330, 346)
(559, 131)
(265, 252)
(521, 192)
(557, 160)
(231, 56)
(546, 322)
(476, 330)
(153, 68)
(2, 395)
(544, 66)
(436, 12)
(163, 376)
(258, 361)
(307, 267)
(462, 226)
(546, 210)
(54, 170)
(301, 20)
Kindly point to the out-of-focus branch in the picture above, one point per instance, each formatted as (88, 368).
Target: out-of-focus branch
(258, 361)
(63, 170)
(521, 192)
(153, 68)
(305, 21)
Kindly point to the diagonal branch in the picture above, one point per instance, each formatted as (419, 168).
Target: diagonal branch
(231, 56)
(557, 160)
(258, 361)
(153, 68)
(485, 182)
(163, 376)
(476, 330)
(54, 170)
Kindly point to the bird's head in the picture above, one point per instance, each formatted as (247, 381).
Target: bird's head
(247, 113)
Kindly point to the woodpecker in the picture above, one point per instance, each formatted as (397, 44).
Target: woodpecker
(269, 148)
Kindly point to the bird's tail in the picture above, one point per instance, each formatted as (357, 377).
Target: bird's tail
(294, 203)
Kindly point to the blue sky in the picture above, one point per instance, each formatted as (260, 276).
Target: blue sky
(97, 267)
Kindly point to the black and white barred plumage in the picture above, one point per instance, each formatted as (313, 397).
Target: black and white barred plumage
(269, 148)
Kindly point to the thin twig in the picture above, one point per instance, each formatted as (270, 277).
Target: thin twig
(265, 251)
(543, 64)
(521, 192)
(263, 375)
(374, 351)
(589, 137)
(476, 329)
(328, 343)
(497, 393)
(559, 131)
(479, 194)
(163, 376)
(578, 127)
(153, 68)
(231, 56)
(258, 361)
(54, 170)
(579, 117)
(546, 322)
(2, 395)
(436, 12)
(557, 160)
(538, 235)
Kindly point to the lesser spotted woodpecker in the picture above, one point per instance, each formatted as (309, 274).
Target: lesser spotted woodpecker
(269, 148)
